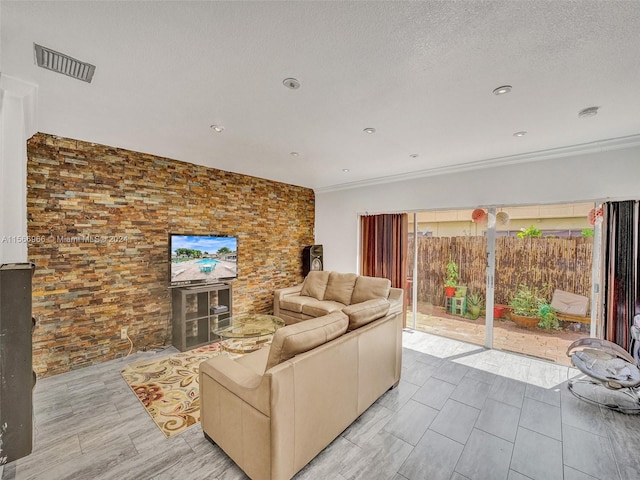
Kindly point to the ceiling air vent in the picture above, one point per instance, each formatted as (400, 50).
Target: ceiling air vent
(61, 63)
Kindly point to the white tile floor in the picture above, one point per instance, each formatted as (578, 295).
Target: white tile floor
(518, 367)
(460, 413)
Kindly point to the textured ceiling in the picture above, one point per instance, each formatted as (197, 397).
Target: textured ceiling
(420, 73)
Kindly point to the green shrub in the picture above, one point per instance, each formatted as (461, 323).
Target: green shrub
(529, 232)
(452, 274)
(548, 317)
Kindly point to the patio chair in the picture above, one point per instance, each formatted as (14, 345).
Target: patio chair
(606, 365)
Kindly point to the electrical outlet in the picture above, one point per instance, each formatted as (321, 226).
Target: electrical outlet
(123, 333)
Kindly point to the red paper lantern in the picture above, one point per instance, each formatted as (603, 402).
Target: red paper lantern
(478, 215)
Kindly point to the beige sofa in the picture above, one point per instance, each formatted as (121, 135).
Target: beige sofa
(325, 292)
(275, 409)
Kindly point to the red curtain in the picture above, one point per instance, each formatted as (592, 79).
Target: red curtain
(384, 247)
(621, 290)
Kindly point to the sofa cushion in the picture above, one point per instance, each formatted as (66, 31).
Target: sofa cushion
(368, 288)
(365, 312)
(301, 337)
(317, 308)
(315, 284)
(295, 303)
(340, 287)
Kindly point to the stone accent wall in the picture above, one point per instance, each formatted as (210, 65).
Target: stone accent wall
(99, 219)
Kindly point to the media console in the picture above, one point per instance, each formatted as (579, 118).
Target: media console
(197, 311)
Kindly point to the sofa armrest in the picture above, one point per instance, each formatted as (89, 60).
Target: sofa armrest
(240, 380)
(396, 300)
(279, 294)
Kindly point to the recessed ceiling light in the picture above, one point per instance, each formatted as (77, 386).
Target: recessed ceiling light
(369, 130)
(414, 155)
(291, 83)
(217, 128)
(588, 112)
(345, 170)
(502, 90)
(294, 154)
(519, 134)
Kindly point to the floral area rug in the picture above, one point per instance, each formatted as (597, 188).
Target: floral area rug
(168, 387)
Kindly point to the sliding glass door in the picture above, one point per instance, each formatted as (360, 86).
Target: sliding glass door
(505, 260)
(543, 278)
(446, 282)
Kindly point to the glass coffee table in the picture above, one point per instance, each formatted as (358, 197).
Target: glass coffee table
(246, 332)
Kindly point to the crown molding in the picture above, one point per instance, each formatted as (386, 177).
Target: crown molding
(560, 152)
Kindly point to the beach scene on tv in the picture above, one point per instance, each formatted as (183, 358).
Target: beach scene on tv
(202, 258)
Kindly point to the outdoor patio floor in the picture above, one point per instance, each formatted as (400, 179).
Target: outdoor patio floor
(549, 345)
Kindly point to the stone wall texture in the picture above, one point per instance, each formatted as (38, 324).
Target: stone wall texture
(99, 219)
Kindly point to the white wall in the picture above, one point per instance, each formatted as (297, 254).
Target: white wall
(17, 125)
(593, 176)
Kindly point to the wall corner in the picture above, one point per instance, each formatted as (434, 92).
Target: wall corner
(18, 122)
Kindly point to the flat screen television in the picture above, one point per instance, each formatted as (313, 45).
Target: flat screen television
(202, 259)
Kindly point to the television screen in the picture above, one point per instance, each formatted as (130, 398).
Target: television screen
(198, 259)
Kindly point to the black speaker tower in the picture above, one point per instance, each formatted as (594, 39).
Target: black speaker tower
(311, 259)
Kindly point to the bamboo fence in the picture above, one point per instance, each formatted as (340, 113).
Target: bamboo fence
(562, 263)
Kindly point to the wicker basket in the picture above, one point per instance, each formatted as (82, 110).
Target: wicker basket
(525, 322)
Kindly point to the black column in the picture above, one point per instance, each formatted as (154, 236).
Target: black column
(16, 370)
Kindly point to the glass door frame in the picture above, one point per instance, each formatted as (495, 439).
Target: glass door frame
(490, 275)
(414, 273)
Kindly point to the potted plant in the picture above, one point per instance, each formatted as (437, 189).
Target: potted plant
(531, 308)
(475, 302)
(451, 280)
